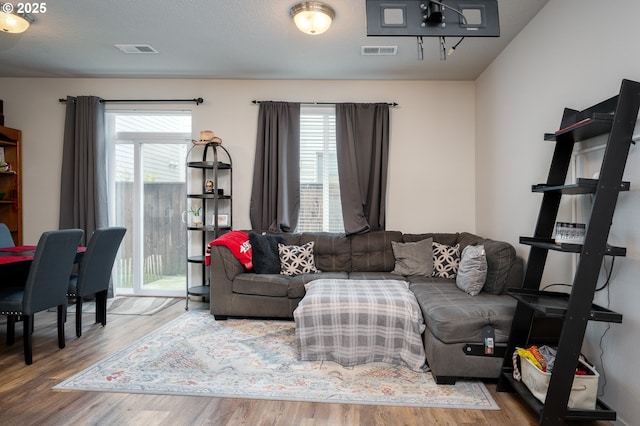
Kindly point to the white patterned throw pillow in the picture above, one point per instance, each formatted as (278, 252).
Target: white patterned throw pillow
(296, 260)
(445, 260)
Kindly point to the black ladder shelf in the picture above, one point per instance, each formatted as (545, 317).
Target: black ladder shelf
(212, 200)
(616, 117)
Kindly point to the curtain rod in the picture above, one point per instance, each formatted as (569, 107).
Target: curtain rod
(255, 102)
(198, 101)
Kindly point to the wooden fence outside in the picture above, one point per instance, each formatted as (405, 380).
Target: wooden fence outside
(165, 236)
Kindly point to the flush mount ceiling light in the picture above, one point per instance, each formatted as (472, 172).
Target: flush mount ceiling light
(312, 17)
(13, 22)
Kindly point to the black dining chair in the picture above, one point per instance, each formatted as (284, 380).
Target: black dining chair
(6, 240)
(94, 273)
(45, 287)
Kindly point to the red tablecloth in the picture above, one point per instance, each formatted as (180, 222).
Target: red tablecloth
(11, 259)
(18, 248)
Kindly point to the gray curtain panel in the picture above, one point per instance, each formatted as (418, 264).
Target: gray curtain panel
(275, 196)
(83, 192)
(362, 142)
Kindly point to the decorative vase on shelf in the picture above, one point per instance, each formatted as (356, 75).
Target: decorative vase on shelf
(196, 216)
(196, 220)
(193, 217)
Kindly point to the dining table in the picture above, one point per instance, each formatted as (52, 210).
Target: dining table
(15, 262)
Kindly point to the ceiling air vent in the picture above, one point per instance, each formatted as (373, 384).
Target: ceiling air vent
(136, 48)
(379, 50)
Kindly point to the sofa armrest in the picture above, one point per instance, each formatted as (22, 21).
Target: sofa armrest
(224, 262)
(516, 274)
(224, 268)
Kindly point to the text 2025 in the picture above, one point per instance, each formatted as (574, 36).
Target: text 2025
(31, 7)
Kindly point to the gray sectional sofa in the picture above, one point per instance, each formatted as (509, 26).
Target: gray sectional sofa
(453, 318)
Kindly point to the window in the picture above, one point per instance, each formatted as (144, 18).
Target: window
(147, 189)
(320, 208)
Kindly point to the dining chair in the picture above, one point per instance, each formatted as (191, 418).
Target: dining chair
(94, 273)
(45, 287)
(6, 240)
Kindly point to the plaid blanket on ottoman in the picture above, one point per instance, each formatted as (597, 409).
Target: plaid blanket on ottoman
(359, 321)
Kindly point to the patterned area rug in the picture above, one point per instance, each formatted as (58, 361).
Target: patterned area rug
(197, 355)
(130, 305)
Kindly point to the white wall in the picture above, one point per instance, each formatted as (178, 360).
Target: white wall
(573, 54)
(432, 138)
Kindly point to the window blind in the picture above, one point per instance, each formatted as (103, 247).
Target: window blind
(320, 208)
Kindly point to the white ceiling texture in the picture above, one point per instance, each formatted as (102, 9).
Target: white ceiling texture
(239, 39)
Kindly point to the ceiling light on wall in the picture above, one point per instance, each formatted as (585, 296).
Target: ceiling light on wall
(312, 17)
(12, 22)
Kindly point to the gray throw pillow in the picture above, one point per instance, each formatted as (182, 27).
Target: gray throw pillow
(472, 271)
(413, 258)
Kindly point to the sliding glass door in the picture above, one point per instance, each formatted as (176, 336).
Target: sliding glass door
(147, 187)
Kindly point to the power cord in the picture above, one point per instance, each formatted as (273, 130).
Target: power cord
(609, 273)
(605, 285)
(454, 47)
(602, 287)
(556, 284)
(442, 45)
(606, 330)
(603, 373)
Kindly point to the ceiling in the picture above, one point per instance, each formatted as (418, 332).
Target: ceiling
(247, 39)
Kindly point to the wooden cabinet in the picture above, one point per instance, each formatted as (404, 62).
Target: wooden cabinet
(11, 181)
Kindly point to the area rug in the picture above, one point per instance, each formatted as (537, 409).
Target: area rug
(130, 305)
(197, 355)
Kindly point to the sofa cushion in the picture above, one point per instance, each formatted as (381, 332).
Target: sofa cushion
(445, 260)
(413, 258)
(332, 251)
(265, 253)
(364, 275)
(296, 286)
(500, 258)
(472, 271)
(468, 239)
(296, 260)
(372, 251)
(453, 316)
(278, 285)
(274, 285)
(291, 239)
(449, 239)
(419, 279)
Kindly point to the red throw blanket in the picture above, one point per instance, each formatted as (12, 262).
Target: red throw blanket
(238, 243)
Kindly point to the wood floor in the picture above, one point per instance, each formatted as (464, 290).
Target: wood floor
(26, 397)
